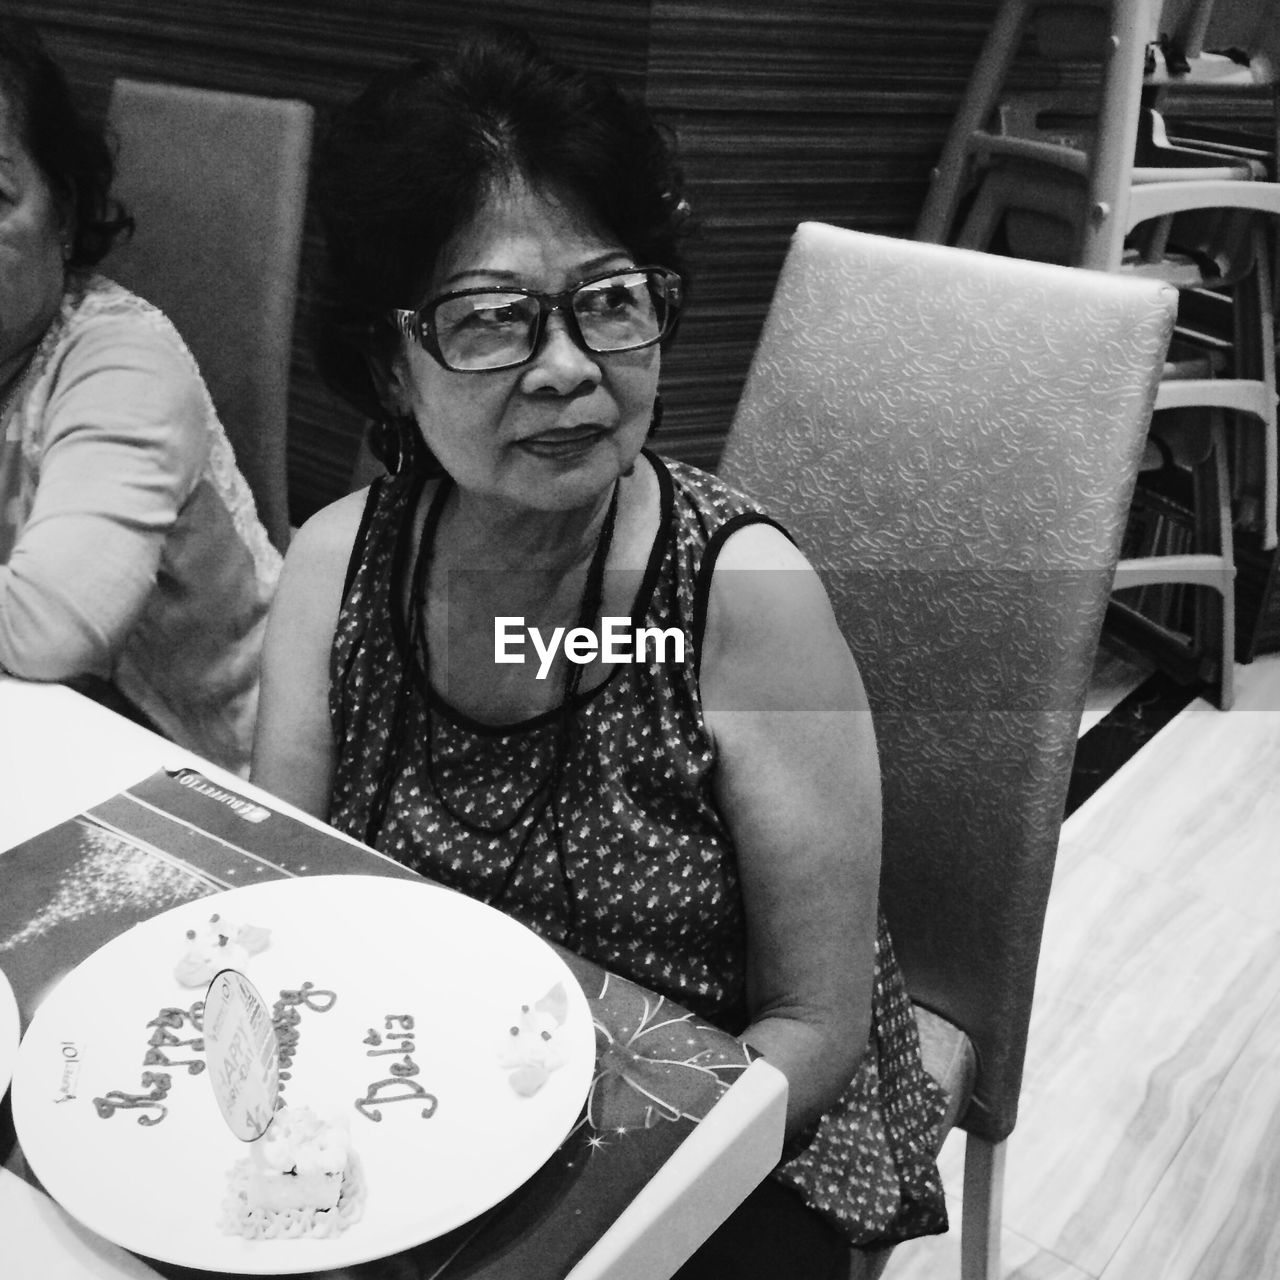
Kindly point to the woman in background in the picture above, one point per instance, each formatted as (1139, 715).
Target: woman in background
(132, 561)
(504, 249)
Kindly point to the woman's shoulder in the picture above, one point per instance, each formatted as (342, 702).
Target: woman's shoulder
(703, 489)
(715, 515)
(329, 535)
(102, 323)
(110, 358)
(94, 299)
(364, 518)
(705, 508)
(97, 321)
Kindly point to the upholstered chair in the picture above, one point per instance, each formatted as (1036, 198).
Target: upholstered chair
(952, 438)
(217, 184)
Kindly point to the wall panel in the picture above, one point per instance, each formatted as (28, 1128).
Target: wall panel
(817, 109)
(827, 109)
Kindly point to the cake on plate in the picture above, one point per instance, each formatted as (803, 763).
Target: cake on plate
(300, 1178)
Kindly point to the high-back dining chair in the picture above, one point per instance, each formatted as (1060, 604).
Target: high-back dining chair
(217, 184)
(952, 438)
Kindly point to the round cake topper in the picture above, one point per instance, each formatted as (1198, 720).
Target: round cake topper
(242, 1054)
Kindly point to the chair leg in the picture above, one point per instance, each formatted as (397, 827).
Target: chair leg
(980, 1214)
(1213, 519)
(948, 179)
(1111, 168)
(990, 204)
(1255, 353)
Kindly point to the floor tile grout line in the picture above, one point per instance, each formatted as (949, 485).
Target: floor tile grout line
(1055, 1254)
(1170, 701)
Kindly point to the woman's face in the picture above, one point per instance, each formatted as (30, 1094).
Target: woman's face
(32, 274)
(554, 433)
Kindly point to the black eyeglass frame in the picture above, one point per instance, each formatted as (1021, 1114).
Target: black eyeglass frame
(414, 324)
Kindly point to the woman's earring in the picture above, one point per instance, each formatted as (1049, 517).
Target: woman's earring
(384, 444)
(656, 421)
(395, 442)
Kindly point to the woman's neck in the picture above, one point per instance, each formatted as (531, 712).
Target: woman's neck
(478, 532)
(14, 362)
(12, 369)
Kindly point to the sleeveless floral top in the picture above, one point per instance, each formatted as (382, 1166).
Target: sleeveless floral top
(629, 862)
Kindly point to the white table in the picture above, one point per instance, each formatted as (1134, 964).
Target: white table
(61, 753)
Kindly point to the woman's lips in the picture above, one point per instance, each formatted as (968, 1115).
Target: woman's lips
(561, 444)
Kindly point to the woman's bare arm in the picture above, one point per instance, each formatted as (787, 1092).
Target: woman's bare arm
(293, 748)
(798, 781)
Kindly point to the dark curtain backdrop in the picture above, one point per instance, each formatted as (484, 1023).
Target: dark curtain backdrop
(816, 109)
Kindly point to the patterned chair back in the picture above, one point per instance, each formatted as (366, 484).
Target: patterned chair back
(217, 183)
(952, 438)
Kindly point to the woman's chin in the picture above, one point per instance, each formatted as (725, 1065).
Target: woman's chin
(564, 474)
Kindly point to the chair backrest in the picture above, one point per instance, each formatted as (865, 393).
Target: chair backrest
(1202, 25)
(952, 438)
(217, 184)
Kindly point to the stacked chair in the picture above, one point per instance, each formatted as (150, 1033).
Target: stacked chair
(1060, 152)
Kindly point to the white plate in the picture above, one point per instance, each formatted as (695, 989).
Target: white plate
(8, 1032)
(388, 948)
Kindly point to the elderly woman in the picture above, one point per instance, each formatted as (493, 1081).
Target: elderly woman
(701, 815)
(132, 562)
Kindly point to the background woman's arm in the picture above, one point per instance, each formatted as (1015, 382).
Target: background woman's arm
(798, 782)
(124, 443)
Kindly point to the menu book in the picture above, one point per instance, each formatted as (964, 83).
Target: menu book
(169, 839)
(177, 836)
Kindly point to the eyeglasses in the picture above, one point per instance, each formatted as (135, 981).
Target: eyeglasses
(478, 330)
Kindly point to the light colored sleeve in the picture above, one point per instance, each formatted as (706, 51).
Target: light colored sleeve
(124, 443)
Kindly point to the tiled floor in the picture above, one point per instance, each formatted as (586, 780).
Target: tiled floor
(1117, 672)
(1148, 1141)
(1129, 702)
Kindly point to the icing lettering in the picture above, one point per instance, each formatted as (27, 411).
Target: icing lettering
(400, 1071)
(412, 1092)
(115, 1100)
(285, 1018)
(167, 1029)
(167, 1024)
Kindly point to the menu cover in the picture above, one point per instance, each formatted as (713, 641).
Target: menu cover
(170, 838)
(177, 836)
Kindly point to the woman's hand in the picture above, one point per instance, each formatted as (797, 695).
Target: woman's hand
(798, 782)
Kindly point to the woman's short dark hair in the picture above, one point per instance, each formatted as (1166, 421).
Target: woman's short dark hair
(408, 164)
(70, 152)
